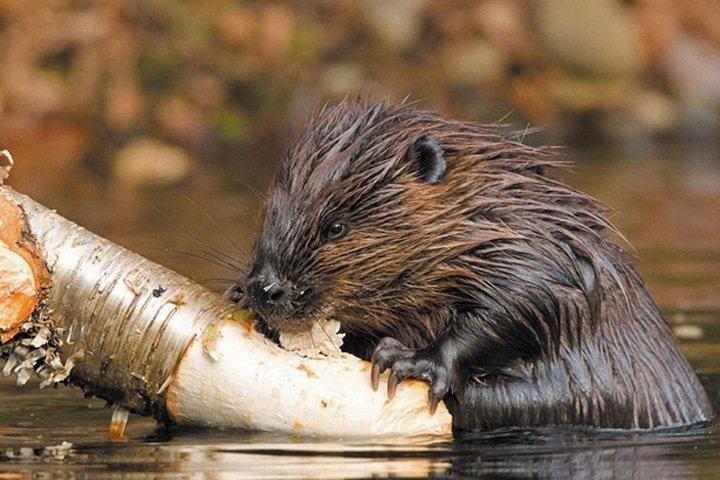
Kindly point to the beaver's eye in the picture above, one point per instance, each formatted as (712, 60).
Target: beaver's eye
(336, 230)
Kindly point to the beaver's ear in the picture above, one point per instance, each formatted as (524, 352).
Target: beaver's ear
(427, 157)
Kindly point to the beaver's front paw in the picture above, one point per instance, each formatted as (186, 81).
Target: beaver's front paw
(404, 363)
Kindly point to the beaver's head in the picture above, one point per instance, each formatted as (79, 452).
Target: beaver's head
(393, 219)
(351, 223)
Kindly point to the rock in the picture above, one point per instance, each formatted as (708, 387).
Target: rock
(692, 67)
(276, 26)
(655, 112)
(208, 91)
(343, 78)
(149, 163)
(478, 62)
(504, 24)
(180, 120)
(595, 36)
(397, 23)
(236, 26)
(582, 94)
(688, 332)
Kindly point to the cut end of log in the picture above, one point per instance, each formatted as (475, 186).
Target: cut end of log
(6, 164)
(22, 273)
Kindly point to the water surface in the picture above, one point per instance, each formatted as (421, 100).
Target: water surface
(666, 201)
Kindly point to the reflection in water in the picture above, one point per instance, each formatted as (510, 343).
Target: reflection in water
(668, 207)
(588, 455)
(576, 454)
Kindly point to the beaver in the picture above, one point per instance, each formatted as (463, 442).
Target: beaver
(452, 255)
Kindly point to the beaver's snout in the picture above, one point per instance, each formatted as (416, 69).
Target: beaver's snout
(270, 294)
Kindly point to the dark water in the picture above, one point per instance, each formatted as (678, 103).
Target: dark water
(668, 205)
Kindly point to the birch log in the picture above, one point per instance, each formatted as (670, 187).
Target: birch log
(148, 339)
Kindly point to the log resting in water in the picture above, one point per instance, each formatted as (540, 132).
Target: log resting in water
(144, 337)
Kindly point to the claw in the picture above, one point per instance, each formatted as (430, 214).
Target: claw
(375, 376)
(392, 385)
(404, 363)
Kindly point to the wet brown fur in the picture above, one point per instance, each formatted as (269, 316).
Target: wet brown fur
(511, 270)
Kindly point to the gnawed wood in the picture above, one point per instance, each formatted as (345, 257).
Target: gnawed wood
(196, 361)
(22, 273)
(253, 384)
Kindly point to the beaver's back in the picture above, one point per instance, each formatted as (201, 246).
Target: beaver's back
(630, 374)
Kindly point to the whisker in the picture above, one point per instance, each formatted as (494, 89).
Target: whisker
(232, 268)
(312, 339)
(217, 281)
(219, 258)
(229, 239)
(257, 193)
(213, 288)
(227, 255)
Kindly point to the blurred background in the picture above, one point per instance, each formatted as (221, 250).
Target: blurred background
(157, 122)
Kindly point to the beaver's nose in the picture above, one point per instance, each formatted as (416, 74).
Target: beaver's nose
(267, 290)
(274, 293)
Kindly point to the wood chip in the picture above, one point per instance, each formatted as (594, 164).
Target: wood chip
(116, 432)
(323, 340)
